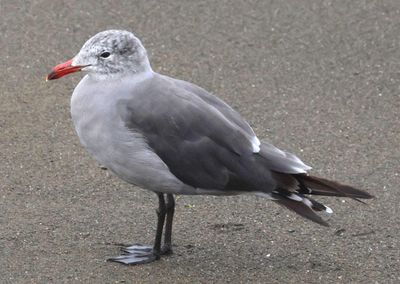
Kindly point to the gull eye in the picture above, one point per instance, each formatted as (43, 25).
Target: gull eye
(105, 54)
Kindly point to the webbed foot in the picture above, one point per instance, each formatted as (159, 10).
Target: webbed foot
(136, 254)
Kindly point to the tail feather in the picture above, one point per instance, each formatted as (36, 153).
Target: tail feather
(317, 206)
(320, 186)
(309, 208)
(302, 208)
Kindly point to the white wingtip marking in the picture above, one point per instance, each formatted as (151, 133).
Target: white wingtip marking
(295, 197)
(328, 210)
(307, 168)
(307, 202)
(299, 170)
(256, 144)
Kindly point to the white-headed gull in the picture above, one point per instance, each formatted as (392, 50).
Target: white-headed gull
(173, 137)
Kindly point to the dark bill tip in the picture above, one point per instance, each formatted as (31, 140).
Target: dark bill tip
(63, 69)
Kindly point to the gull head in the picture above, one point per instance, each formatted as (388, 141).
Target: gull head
(112, 53)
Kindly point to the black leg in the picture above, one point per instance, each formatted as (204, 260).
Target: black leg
(167, 248)
(139, 254)
(162, 210)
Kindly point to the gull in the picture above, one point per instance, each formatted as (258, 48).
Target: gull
(172, 137)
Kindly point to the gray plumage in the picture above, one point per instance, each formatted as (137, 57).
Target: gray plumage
(171, 136)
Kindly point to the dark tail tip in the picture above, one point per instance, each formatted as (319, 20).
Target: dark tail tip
(321, 186)
(305, 207)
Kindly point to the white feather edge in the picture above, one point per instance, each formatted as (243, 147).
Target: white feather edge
(255, 142)
(294, 197)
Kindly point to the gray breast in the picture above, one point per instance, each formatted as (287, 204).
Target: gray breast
(104, 135)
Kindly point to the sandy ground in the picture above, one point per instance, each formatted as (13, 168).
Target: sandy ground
(319, 78)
